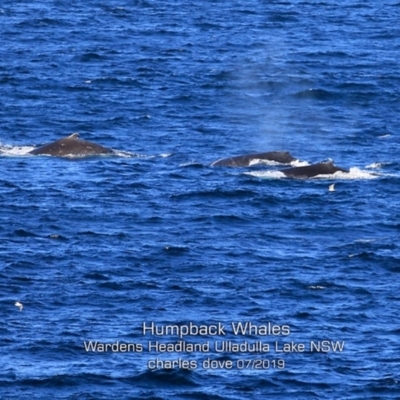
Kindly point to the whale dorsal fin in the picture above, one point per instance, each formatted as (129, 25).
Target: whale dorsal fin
(74, 136)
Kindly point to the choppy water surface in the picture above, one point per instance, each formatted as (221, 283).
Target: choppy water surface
(94, 248)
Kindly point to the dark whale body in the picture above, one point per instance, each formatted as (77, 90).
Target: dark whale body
(283, 157)
(323, 168)
(71, 145)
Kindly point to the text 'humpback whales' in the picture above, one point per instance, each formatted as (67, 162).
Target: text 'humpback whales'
(283, 157)
(309, 171)
(71, 146)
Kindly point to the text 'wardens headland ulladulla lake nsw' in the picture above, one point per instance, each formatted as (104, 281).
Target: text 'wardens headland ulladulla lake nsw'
(247, 338)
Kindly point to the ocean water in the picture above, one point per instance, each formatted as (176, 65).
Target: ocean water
(128, 276)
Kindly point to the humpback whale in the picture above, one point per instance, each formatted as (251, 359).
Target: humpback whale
(71, 145)
(322, 168)
(283, 157)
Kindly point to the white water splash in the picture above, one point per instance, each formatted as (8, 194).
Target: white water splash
(299, 163)
(374, 165)
(295, 163)
(12, 151)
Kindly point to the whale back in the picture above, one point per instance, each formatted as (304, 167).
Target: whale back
(71, 145)
(283, 157)
(309, 171)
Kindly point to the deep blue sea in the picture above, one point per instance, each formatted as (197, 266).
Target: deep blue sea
(128, 276)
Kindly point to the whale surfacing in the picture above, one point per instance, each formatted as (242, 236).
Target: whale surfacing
(71, 146)
(283, 157)
(309, 171)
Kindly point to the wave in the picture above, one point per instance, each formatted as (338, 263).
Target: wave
(316, 94)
